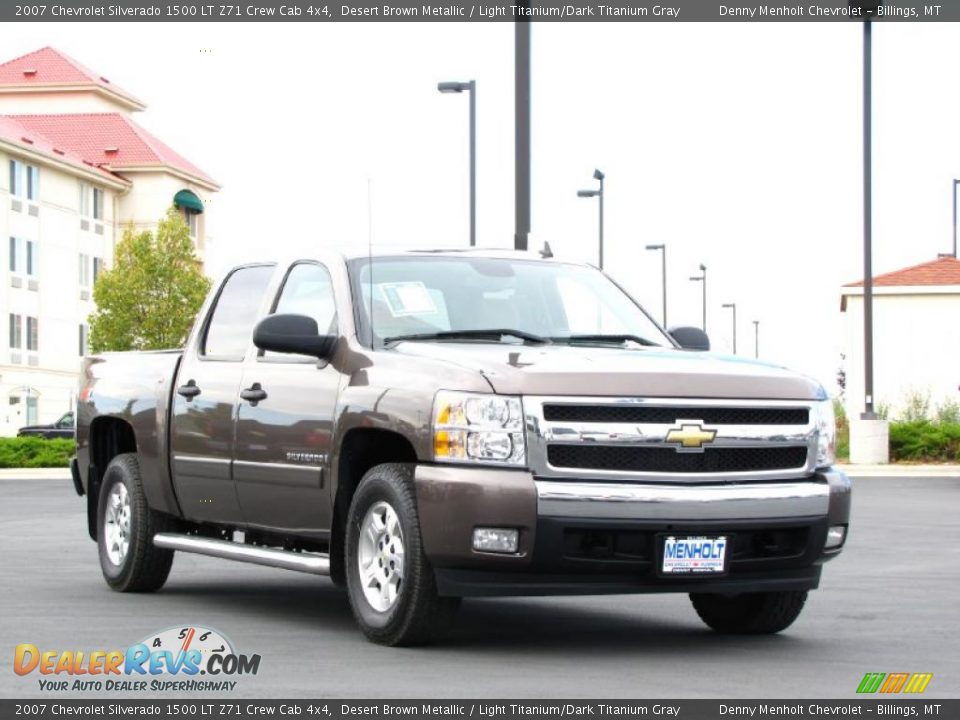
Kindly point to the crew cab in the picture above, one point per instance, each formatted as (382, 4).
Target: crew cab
(427, 426)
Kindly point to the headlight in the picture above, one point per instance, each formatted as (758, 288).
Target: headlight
(825, 424)
(475, 428)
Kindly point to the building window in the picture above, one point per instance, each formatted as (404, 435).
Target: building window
(191, 218)
(84, 271)
(16, 178)
(24, 257)
(91, 202)
(33, 182)
(31, 410)
(97, 268)
(83, 337)
(33, 333)
(24, 180)
(16, 332)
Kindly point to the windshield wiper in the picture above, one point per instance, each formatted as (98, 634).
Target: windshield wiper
(599, 338)
(496, 334)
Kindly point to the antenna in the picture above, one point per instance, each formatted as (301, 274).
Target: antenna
(370, 251)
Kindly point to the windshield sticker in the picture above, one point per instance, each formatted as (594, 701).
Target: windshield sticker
(408, 298)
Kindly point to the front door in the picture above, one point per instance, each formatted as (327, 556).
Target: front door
(205, 399)
(284, 428)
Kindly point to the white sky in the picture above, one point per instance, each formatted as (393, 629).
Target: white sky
(738, 145)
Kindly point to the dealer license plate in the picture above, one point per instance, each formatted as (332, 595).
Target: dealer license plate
(694, 555)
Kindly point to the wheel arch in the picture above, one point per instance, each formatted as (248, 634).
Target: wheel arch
(109, 436)
(360, 449)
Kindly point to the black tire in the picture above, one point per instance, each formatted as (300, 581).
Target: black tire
(418, 614)
(144, 567)
(749, 613)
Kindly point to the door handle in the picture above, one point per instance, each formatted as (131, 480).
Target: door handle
(189, 391)
(254, 394)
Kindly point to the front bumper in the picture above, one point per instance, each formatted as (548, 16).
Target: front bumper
(593, 538)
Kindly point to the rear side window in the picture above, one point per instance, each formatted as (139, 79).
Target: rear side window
(236, 312)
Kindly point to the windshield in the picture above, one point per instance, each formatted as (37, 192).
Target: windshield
(443, 296)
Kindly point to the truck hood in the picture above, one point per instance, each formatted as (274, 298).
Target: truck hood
(649, 372)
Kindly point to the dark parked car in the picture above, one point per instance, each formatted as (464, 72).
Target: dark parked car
(62, 428)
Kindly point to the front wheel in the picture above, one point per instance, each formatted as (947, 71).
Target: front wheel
(749, 613)
(392, 590)
(125, 528)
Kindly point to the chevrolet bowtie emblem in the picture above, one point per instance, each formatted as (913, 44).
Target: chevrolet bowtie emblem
(690, 436)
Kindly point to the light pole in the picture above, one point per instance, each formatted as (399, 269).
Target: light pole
(868, 9)
(469, 87)
(733, 306)
(598, 193)
(756, 338)
(703, 278)
(662, 248)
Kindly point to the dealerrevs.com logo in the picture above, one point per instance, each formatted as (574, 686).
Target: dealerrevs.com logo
(178, 659)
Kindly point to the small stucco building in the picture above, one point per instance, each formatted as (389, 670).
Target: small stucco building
(916, 336)
(75, 170)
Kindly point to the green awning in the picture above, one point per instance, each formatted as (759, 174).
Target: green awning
(188, 200)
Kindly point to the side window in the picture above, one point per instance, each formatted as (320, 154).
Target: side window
(308, 290)
(231, 324)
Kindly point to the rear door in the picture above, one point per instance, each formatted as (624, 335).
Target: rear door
(285, 425)
(205, 398)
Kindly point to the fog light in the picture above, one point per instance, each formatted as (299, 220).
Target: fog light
(497, 540)
(835, 536)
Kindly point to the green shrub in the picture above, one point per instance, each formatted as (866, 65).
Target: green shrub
(922, 440)
(35, 452)
(916, 408)
(843, 430)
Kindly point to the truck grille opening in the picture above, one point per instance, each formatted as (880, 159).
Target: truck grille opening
(670, 415)
(668, 460)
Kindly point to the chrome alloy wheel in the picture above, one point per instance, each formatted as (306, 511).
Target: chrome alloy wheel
(380, 556)
(116, 524)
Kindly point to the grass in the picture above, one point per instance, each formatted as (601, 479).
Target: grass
(35, 452)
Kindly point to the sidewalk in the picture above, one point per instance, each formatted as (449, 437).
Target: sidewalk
(856, 471)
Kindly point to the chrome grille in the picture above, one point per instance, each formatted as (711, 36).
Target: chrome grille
(625, 438)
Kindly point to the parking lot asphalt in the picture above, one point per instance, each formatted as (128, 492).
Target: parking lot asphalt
(888, 604)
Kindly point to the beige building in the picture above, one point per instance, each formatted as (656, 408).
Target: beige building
(916, 345)
(75, 169)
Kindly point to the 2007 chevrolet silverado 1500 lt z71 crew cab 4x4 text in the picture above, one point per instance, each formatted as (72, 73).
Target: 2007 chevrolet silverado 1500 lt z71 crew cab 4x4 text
(425, 426)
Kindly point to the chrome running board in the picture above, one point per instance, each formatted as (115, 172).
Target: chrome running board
(313, 563)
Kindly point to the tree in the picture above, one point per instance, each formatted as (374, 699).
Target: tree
(150, 297)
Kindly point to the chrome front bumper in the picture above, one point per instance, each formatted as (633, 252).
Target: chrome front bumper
(826, 493)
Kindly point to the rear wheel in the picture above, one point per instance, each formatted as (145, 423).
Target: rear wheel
(125, 528)
(392, 590)
(749, 613)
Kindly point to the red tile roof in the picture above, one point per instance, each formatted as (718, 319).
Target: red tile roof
(942, 271)
(18, 134)
(91, 135)
(48, 66)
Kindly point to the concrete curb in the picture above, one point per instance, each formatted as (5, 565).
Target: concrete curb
(935, 471)
(894, 470)
(35, 474)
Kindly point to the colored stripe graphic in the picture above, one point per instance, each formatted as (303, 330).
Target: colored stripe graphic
(894, 682)
(870, 683)
(918, 682)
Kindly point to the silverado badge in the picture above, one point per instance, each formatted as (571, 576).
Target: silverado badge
(690, 436)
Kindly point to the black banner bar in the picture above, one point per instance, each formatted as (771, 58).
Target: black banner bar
(454, 11)
(227, 709)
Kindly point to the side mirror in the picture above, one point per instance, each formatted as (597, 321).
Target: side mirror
(691, 338)
(295, 334)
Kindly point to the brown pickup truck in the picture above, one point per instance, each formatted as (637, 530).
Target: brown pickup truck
(427, 426)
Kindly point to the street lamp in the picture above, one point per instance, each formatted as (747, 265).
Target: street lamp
(703, 278)
(663, 249)
(756, 338)
(733, 306)
(598, 193)
(469, 87)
